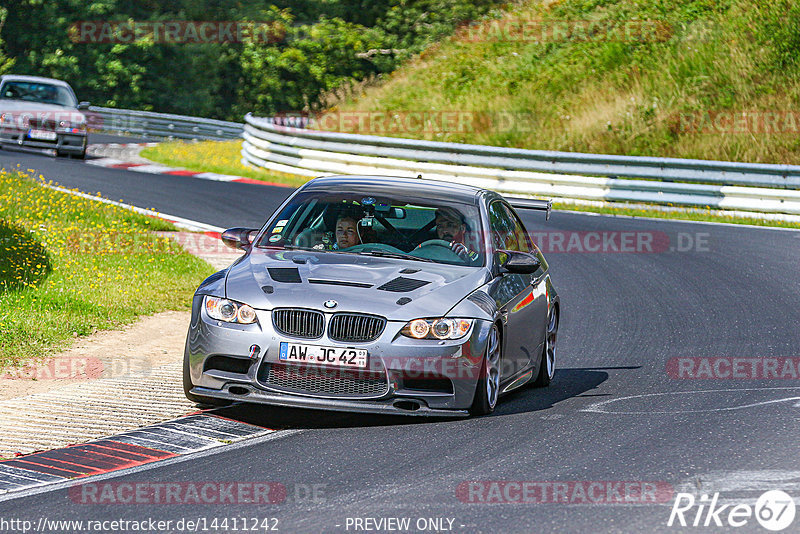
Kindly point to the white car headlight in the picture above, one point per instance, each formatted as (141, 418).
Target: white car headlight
(229, 310)
(442, 328)
(72, 127)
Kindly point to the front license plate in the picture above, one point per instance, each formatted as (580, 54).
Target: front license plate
(44, 135)
(319, 355)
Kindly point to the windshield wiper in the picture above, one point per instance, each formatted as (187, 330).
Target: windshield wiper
(384, 254)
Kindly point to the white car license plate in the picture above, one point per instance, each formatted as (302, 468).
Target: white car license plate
(44, 135)
(319, 355)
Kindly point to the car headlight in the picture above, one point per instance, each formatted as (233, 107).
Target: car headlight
(72, 127)
(443, 328)
(229, 310)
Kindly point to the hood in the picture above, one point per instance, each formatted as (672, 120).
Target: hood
(267, 279)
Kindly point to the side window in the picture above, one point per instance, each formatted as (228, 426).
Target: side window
(520, 234)
(503, 226)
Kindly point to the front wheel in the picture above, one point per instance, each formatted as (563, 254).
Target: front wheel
(547, 368)
(488, 388)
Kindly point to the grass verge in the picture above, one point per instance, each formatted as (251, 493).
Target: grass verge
(222, 157)
(70, 266)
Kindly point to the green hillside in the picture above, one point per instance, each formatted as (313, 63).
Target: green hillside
(711, 79)
(221, 59)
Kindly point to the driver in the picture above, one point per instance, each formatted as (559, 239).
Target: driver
(451, 227)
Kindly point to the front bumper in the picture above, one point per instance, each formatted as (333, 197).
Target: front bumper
(394, 406)
(422, 377)
(65, 143)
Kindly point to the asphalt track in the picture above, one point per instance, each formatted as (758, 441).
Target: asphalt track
(613, 413)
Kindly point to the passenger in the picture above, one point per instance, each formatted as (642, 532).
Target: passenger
(349, 233)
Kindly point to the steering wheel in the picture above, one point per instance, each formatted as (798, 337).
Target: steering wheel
(434, 242)
(303, 240)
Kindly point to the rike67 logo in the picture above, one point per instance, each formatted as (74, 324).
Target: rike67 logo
(774, 510)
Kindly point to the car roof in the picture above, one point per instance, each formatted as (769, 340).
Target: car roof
(433, 189)
(33, 79)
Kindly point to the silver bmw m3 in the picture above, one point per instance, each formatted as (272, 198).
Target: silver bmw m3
(377, 295)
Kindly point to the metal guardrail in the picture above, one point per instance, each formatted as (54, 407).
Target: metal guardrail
(161, 125)
(681, 182)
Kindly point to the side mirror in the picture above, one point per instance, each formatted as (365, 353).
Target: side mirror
(515, 262)
(83, 105)
(239, 238)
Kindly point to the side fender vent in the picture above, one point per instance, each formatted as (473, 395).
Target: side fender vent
(483, 301)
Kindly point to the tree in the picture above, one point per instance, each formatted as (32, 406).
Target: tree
(5, 62)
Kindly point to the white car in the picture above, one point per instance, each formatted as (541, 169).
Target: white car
(41, 113)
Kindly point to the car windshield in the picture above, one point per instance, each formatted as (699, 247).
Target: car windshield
(45, 93)
(397, 226)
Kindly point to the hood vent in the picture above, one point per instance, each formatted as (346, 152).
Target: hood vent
(402, 301)
(288, 275)
(338, 282)
(402, 284)
(409, 271)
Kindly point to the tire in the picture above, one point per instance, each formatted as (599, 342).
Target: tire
(198, 399)
(487, 389)
(547, 367)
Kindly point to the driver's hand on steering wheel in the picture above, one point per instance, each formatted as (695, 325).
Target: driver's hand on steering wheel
(463, 252)
(459, 248)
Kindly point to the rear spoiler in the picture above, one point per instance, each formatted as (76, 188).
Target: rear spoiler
(532, 204)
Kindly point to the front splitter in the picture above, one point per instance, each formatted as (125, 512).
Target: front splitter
(264, 397)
